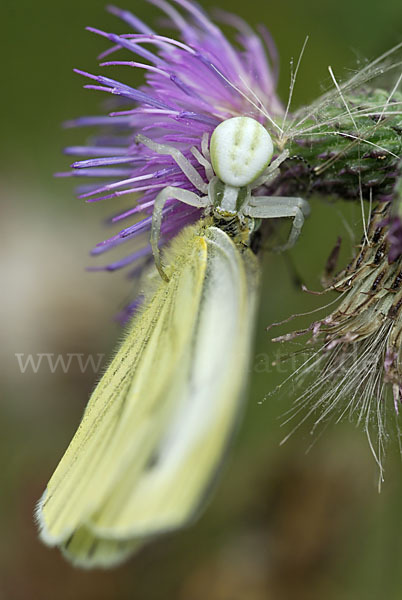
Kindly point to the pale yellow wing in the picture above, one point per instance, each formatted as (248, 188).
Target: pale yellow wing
(156, 428)
(85, 550)
(207, 392)
(125, 416)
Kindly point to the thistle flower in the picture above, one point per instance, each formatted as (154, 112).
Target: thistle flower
(191, 86)
(347, 143)
(356, 353)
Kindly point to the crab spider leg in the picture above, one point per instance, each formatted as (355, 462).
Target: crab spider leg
(203, 162)
(184, 164)
(275, 207)
(184, 196)
(271, 171)
(205, 145)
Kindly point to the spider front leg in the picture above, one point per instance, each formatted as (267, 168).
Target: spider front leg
(271, 171)
(185, 165)
(276, 207)
(200, 158)
(184, 196)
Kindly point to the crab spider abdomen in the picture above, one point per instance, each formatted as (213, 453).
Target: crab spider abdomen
(241, 148)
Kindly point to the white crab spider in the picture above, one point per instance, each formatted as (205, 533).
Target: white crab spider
(237, 162)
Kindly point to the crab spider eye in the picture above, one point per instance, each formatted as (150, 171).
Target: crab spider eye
(241, 148)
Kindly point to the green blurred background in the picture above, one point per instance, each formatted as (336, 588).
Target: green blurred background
(283, 523)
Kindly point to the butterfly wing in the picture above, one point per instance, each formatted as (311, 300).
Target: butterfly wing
(109, 436)
(88, 551)
(208, 392)
(157, 425)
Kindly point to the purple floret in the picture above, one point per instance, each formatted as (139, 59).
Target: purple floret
(192, 83)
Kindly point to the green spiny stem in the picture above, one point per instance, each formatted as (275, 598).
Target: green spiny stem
(347, 153)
